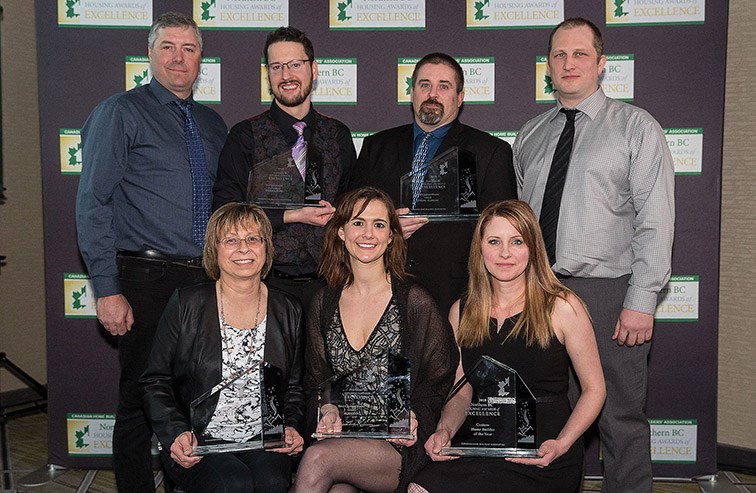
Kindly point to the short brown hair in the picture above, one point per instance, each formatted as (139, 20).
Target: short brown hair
(335, 266)
(228, 217)
(173, 19)
(598, 39)
(441, 59)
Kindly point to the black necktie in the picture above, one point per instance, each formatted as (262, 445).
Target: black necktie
(552, 195)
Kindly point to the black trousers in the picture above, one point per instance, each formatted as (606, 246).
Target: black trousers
(147, 285)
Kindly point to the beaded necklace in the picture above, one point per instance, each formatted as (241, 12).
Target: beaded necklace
(230, 349)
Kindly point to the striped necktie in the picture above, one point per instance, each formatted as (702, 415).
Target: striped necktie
(299, 151)
(202, 187)
(418, 167)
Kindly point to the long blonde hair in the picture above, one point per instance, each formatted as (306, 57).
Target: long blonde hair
(542, 288)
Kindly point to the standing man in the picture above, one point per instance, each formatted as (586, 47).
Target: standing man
(144, 199)
(609, 236)
(437, 251)
(290, 125)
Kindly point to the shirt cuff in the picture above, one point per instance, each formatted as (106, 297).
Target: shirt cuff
(105, 286)
(640, 300)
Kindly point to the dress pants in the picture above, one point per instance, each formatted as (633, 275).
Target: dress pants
(147, 285)
(623, 426)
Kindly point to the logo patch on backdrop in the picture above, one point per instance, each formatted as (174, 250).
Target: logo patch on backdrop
(336, 84)
(505, 135)
(207, 87)
(686, 146)
(241, 14)
(90, 435)
(674, 440)
(479, 79)
(679, 300)
(78, 297)
(639, 12)
(358, 138)
(70, 151)
(376, 14)
(104, 13)
(509, 14)
(617, 80)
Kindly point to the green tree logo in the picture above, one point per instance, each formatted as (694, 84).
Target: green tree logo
(206, 6)
(74, 155)
(619, 10)
(548, 88)
(407, 85)
(70, 10)
(140, 79)
(77, 304)
(342, 6)
(479, 15)
(80, 443)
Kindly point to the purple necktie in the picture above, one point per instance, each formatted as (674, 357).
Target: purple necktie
(202, 187)
(299, 151)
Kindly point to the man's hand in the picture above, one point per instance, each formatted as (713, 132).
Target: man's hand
(114, 313)
(314, 216)
(410, 224)
(633, 328)
(182, 450)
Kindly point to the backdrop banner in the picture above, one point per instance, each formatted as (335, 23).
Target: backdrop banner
(665, 56)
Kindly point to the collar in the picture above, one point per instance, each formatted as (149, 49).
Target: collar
(590, 105)
(438, 133)
(285, 120)
(163, 95)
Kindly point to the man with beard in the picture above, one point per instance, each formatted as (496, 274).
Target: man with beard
(438, 251)
(290, 125)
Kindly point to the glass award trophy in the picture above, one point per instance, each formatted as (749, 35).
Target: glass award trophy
(501, 420)
(277, 183)
(360, 403)
(271, 413)
(448, 189)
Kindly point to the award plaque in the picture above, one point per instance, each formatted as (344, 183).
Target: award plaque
(354, 409)
(277, 183)
(271, 413)
(501, 420)
(448, 190)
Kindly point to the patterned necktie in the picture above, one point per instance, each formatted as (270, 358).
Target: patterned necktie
(552, 195)
(202, 187)
(418, 167)
(299, 151)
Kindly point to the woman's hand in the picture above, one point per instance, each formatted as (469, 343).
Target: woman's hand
(548, 452)
(408, 442)
(330, 421)
(294, 442)
(181, 450)
(435, 443)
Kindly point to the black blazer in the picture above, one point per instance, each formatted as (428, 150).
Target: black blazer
(186, 358)
(438, 251)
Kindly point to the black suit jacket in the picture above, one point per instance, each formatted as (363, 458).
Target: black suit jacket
(438, 251)
(186, 359)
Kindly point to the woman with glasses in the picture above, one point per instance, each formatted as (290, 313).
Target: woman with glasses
(212, 333)
(369, 309)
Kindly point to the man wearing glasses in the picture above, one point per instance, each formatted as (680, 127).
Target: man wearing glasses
(290, 125)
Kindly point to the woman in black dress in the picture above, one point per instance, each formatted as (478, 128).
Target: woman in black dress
(517, 312)
(370, 308)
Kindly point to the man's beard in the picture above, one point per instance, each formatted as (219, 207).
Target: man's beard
(431, 116)
(297, 99)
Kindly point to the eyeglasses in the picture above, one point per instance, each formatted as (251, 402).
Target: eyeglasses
(233, 242)
(293, 65)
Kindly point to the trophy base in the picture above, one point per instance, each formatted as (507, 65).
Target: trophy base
(443, 217)
(230, 447)
(363, 434)
(488, 452)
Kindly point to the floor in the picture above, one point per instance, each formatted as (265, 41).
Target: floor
(27, 439)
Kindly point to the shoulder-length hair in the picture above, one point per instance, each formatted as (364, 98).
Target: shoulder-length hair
(541, 285)
(232, 216)
(335, 266)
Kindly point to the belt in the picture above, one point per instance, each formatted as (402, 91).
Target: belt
(294, 277)
(156, 256)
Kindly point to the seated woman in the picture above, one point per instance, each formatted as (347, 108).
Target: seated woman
(368, 308)
(517, 312)
(213, 331)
